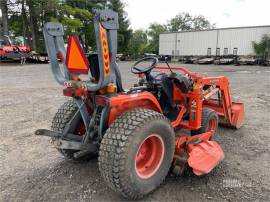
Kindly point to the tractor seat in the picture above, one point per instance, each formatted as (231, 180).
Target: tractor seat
(167, 89)
(166, 100)
(182, 82)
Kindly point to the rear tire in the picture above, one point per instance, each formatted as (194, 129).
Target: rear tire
(209, 122)
(61, 118)
(128, 168)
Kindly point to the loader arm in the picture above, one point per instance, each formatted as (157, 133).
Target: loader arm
(230, 113)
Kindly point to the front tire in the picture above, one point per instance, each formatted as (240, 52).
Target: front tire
(209, 122)
(136, 152)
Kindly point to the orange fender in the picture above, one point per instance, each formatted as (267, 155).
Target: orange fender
(125, 102)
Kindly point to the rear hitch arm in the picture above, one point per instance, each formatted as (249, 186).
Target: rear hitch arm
(73, 144)
(49, 133)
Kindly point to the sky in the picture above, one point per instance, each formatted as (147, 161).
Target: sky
(224, 13)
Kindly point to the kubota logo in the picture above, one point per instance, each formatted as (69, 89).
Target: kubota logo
(105, 50)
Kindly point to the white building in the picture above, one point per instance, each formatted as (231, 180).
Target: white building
(235, 41)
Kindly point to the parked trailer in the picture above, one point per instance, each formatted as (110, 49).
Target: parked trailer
(215, 42)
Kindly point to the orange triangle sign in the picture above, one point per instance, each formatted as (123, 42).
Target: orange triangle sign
(76, 60)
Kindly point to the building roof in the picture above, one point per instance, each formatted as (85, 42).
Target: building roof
(261, 26)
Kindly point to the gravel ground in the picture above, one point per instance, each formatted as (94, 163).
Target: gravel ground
(32, 170)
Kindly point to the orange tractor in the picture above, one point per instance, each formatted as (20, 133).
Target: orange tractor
(136, 133)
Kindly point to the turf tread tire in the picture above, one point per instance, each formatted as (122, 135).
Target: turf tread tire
(207, 114)
(115, 148)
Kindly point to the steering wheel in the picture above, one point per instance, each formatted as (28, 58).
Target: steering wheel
(136, 70)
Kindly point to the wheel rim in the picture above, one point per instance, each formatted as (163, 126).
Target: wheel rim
(149, 156)
(212, 124)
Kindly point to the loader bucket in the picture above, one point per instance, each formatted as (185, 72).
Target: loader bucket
(238, 114)
(204, 157)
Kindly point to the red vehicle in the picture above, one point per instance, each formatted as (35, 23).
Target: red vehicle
(10, 50)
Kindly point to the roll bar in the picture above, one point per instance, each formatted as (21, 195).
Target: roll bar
(105, 21)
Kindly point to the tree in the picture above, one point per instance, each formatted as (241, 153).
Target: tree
(262, 48)
(24, 21)
(33, 23)
(137, 43)
(73, 18)
(153, 33)
(181, 22)
(27, 18)
(201, 23)
(185, 22)
(4, 10)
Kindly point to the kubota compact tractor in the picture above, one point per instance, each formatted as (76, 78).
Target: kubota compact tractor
(135, 132)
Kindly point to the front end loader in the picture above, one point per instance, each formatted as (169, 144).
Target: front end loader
(136, 133)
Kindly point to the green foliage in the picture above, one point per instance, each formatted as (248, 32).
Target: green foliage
(184, 22)
(75, 16)
(153, 33)
(181, 21)
(138, 43)
(74, 19)
(75, 12)
(15, 25)
(201, 23)
(71, 24)
(262, 48)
